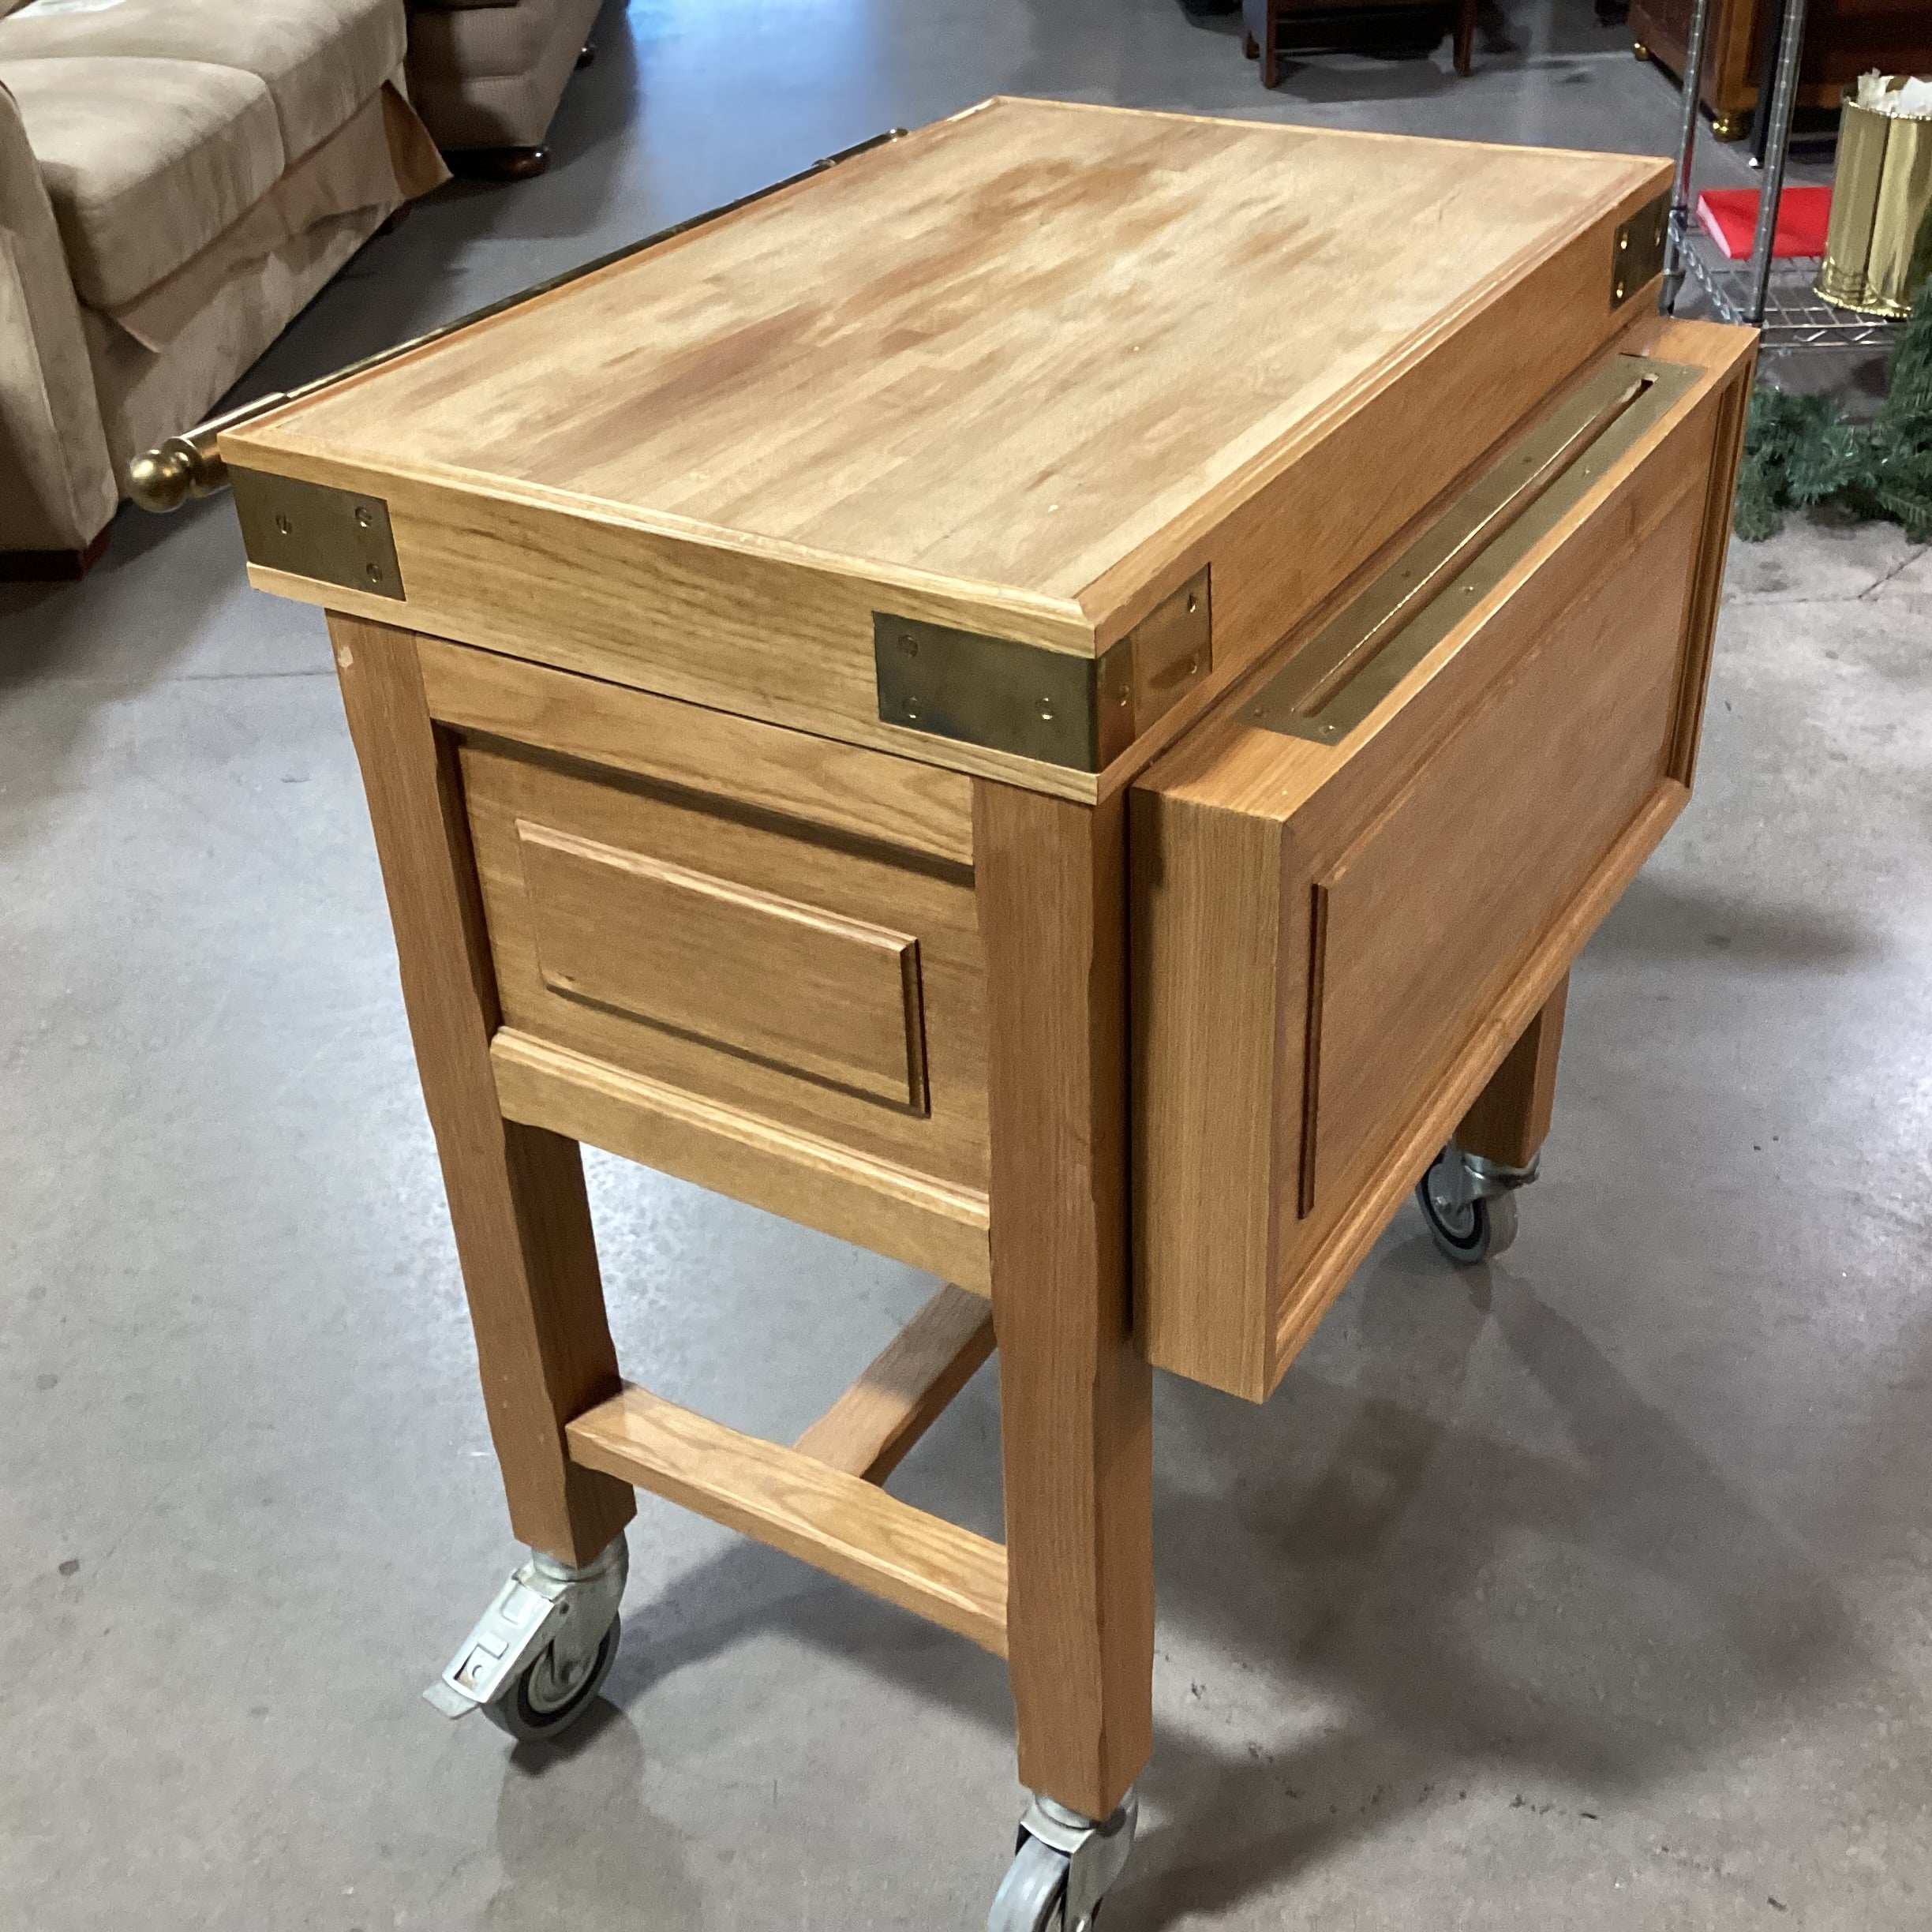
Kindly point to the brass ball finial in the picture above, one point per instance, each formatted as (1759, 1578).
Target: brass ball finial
(162, 479)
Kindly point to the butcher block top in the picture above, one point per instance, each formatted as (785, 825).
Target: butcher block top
(1020, 372)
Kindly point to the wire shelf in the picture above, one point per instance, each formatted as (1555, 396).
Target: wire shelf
(1796, 316)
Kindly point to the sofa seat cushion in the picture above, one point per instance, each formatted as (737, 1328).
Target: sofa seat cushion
(145, 161)
(319, 59)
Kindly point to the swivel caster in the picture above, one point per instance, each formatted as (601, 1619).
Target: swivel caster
(542, 1650)
(1469, 1203)
(1063, 1869)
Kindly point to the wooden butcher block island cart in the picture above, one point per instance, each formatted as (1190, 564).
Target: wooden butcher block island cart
(1053, 699)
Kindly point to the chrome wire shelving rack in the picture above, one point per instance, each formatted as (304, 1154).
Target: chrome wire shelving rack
(1777, 296)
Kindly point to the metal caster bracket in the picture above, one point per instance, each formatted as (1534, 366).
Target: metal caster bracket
(545, 1606)
(1469, 1203)
(1065, 1865)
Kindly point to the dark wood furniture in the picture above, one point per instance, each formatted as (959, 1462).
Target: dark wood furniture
(1262, 21)
(1843, 40)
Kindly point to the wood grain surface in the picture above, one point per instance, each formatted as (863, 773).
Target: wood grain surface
(1075, 1396)
(516, 1192)
(776, 1062)
(836, 1522)
(1023, 373)
(1363, 911)
(868, 1431)
(1511, 1115)
(982, 352)
(755, 766)
(879, 1204)
(773, 978)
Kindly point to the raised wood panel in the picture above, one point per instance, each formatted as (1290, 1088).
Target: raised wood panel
(833, 1520)
(849, 884)
(843, 788)
(788, 983)
(1367, 909)
(1432, 908)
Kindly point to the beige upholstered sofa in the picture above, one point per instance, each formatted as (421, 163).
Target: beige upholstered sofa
(487, 75)
(178, 179)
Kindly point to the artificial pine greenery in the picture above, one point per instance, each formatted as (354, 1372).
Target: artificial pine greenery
(1798, 451)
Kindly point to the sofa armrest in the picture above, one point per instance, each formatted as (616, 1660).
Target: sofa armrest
(57, 486)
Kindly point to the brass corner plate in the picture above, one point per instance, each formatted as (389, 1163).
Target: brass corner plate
(1637, 251)
(311, 530)
(1076, 712)
(1335, 680)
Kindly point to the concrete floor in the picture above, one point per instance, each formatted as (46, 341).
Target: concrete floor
(1588, 1590)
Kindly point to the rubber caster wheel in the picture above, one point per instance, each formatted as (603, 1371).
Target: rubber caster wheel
(537, 1706)
(1032, 1896)
(1467, 1229)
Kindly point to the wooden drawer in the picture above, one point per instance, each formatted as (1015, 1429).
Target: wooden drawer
(786, 1004)
(1355, 884)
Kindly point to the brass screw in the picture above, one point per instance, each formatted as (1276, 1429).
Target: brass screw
(281, 523)
(375, 573)
(911, 707)
(1623, 240)
(1193, 603)
(1047, 710)
(909, 644)
(362, 518)
(1194, 664)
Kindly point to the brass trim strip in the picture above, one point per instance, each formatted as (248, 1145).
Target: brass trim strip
(189, 465)
(1360, 656)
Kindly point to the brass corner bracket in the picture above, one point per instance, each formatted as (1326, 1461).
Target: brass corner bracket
(1076, 712)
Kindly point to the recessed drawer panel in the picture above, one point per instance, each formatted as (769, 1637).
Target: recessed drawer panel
(1354, 884)
(834, 998)
(803, 980)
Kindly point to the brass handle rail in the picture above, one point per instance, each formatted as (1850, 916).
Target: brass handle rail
(1339, 677)
(189, 465)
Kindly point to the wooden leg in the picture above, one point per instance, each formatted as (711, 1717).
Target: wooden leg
(1270, 36)
(1465, 36)
(1251, 47)
(497, 164)
(1075, 1394)
(1511, 1115)
(516, 1193)
(53, 566)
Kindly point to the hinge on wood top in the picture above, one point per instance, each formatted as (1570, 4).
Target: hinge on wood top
(1060, 708)
(311, 530)
(1637, 251)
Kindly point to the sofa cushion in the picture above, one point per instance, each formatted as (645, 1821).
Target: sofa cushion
(145, 161)
(319, 59)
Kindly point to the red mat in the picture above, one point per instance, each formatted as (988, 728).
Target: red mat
(1730, 218)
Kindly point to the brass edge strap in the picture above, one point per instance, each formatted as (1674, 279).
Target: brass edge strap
(1333, 683)
(189, 465)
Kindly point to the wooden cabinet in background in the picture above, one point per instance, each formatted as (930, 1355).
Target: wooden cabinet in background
(1843, 39)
